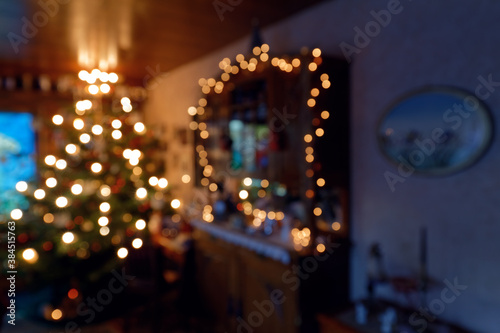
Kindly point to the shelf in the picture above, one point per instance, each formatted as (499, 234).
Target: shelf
(271, 247)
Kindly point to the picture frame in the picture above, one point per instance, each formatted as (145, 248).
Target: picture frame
(436, 130)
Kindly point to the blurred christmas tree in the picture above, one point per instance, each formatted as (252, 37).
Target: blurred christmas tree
(94, 194)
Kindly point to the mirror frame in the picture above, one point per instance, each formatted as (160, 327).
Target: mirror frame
(430, 97)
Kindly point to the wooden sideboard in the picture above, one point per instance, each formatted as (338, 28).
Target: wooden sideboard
(245, 289)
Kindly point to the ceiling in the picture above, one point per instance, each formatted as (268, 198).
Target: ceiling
(131, 37)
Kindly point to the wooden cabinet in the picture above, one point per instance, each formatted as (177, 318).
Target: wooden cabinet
(285, 126)
(288, 127)
(215, 279)
(244, 291)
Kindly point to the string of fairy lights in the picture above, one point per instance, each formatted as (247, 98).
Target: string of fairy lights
(260, 55)
(98, 84)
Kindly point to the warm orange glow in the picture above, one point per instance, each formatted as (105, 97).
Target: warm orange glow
(312, 66)
(336, 226)
(56, 314)
(309, 173)
(48, 218)
(320, 182)
(72, 293)
(204, 134)
(310, 194)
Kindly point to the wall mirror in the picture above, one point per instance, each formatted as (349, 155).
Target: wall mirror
(436, 130)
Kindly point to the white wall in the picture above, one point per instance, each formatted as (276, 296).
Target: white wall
(446, 42)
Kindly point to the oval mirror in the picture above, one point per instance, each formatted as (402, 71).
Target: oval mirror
(436, 130)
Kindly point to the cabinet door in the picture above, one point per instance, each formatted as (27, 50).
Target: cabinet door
(268, 303)
(214, 275)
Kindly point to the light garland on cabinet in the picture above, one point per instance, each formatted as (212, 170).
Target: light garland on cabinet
(260, 54)
(88, 132)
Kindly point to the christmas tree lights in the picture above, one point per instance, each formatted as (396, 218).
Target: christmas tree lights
(94, 194)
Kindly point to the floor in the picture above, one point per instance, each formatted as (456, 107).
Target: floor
(167, 313)
(162, 317)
